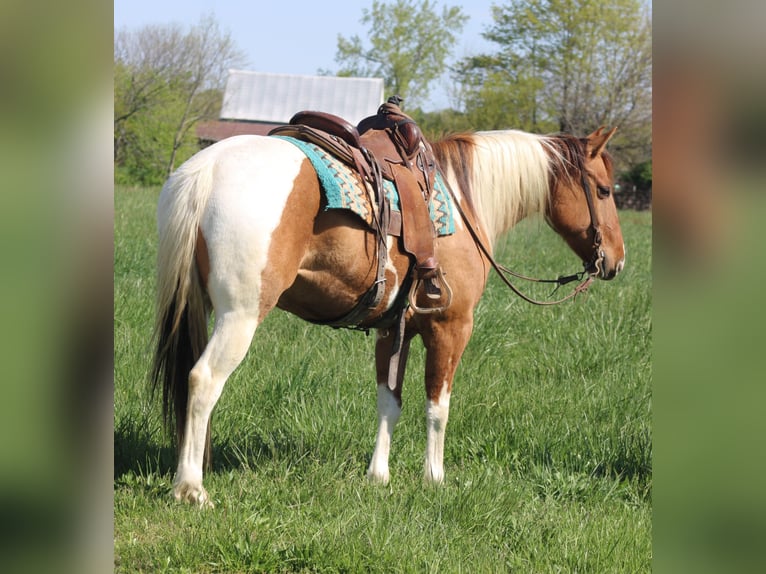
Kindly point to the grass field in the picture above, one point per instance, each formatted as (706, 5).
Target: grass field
(548, 454)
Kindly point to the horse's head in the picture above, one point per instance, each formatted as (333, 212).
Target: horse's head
(582, 208)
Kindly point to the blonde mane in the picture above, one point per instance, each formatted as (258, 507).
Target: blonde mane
(511, 178)
(507, 174)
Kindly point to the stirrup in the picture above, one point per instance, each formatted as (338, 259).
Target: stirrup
(432, 289)
(438, 279)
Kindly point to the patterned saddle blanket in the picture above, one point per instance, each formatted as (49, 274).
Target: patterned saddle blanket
(343, 189)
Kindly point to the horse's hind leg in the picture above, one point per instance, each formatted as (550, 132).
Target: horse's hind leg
(389, 403)
(228, 345)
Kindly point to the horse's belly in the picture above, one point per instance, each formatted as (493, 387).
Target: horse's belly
(339, 267)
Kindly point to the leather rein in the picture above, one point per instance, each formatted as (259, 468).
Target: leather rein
(594, 263)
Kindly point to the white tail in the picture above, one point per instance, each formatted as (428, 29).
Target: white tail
(180, 332)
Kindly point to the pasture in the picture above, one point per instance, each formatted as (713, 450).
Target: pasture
(547, 458)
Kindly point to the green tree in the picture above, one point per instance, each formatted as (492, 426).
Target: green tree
(501, 91)
(409, 43)
(165, 81)
(567, 65)
(640, 175)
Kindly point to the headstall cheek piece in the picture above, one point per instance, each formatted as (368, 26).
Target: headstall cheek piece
(598, 256)
(594, 264)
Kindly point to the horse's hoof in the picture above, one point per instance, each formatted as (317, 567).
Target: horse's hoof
(433, 477)
(377, 478)
(191, 494)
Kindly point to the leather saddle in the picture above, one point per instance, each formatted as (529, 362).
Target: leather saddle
(386, 145)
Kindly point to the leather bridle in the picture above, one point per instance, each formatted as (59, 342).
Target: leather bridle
(591, 268)
(598, 255)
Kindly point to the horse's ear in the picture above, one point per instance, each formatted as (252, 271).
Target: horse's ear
(597, 141)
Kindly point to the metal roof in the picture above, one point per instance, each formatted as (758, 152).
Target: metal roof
(266, 97)
(214, 131)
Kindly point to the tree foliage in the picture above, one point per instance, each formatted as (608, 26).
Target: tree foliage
(640, 175)
(165, 81)
(565, 65)
(409, 43)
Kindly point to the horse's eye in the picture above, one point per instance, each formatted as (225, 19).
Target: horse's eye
(604, 191)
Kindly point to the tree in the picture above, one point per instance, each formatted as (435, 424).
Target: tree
(501, 91)
(166, 80)
(567, 65)
(640, 175)
(409, 45)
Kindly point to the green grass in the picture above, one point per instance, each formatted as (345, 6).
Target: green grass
(548, 454)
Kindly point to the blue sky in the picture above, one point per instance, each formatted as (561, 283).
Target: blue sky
(292, 37)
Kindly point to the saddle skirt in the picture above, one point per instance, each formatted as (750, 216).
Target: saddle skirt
(344, 188)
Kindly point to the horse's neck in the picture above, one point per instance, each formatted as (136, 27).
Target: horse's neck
(510, 179)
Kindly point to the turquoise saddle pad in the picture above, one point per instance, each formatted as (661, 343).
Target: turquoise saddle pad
(342, 189)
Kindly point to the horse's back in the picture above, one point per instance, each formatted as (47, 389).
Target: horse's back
(253, 177)
(233, 172)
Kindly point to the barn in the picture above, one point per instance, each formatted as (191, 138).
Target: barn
(256, 102)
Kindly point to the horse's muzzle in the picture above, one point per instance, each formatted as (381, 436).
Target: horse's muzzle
(601, 267)
(606, 270)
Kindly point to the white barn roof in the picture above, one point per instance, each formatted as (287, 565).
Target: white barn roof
(265, 97)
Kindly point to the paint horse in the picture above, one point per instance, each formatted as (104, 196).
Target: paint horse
(242, 230)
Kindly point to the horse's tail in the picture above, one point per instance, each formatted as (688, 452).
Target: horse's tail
(182, 310)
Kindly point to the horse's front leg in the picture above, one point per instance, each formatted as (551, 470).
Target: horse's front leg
(445, 343)
(389, 401)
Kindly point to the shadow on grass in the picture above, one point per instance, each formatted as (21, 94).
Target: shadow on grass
(140, 451)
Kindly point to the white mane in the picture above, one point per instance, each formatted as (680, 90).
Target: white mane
(510, 180)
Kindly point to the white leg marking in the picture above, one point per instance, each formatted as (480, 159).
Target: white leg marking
(437, 413)
(226, 349)
(388, 414)
(187, 485)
